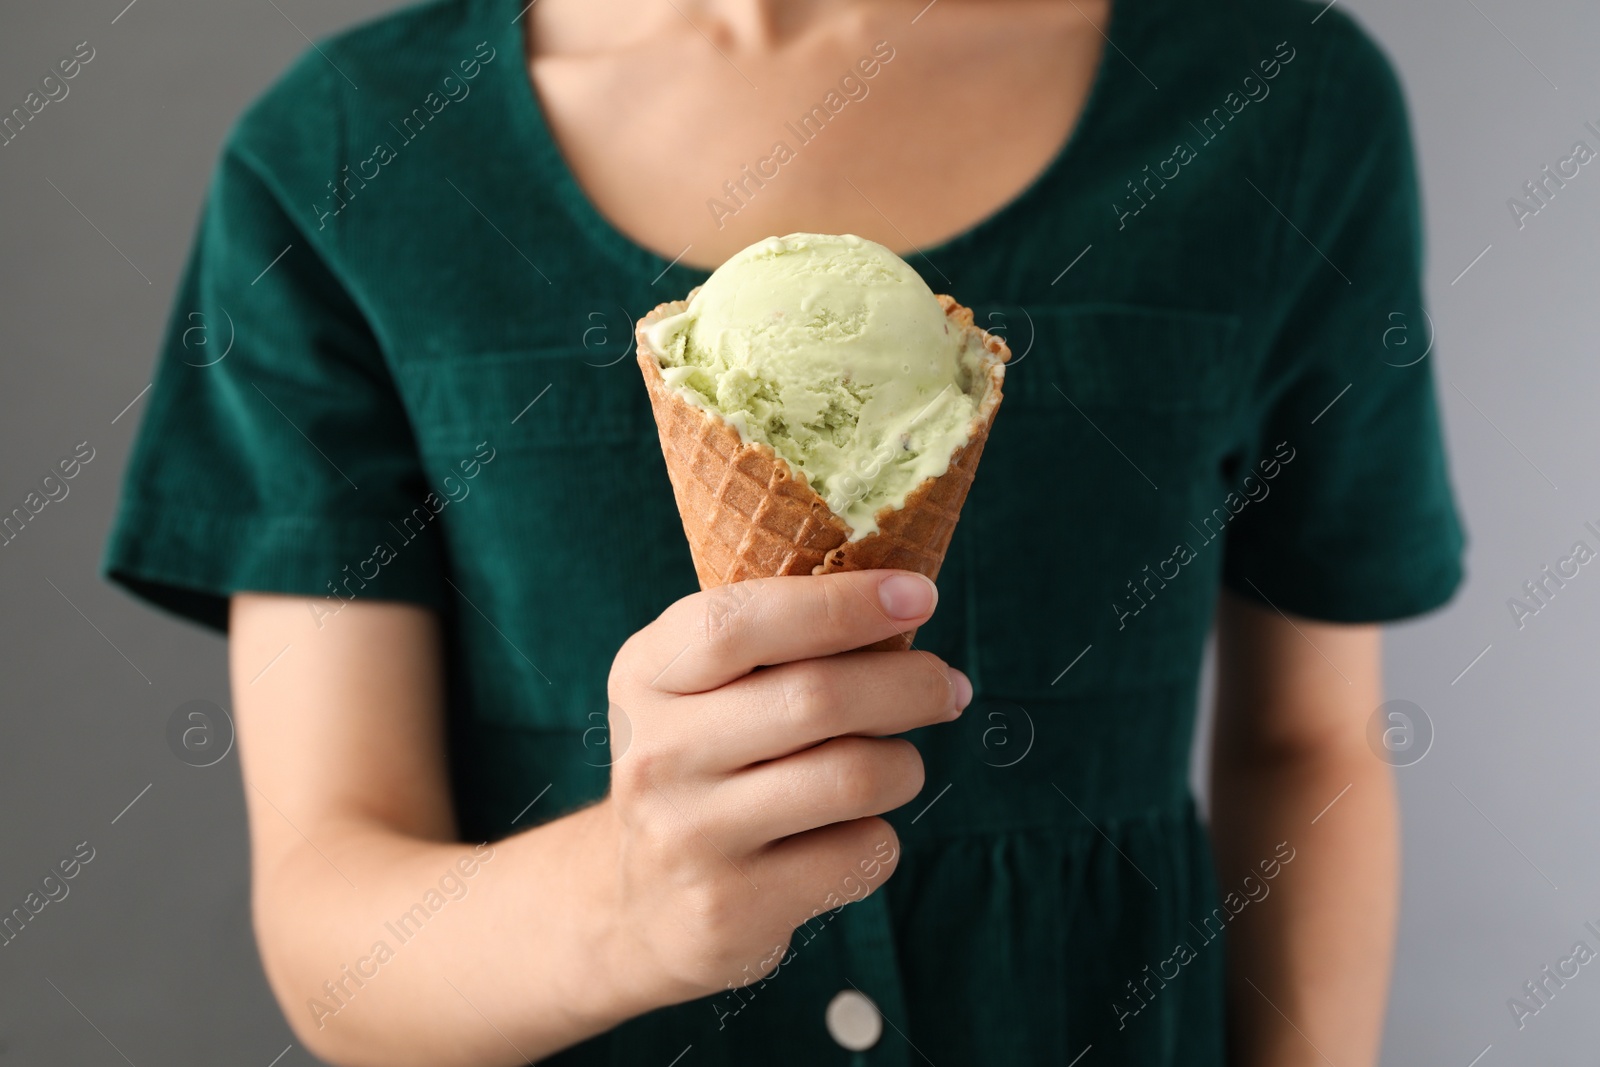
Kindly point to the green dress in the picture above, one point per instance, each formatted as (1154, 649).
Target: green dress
(400, 367)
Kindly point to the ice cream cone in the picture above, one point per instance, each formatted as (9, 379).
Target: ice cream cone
(748, 514)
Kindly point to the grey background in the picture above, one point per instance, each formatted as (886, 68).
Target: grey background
(150, 958)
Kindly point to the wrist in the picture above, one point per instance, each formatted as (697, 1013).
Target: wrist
(621, 977)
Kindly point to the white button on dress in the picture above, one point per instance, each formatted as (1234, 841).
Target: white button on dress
(853, 1021)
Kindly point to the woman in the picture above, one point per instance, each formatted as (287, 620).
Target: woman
(398, 447)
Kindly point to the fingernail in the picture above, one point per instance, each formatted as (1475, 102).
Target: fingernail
(963, 687)
(907, 596)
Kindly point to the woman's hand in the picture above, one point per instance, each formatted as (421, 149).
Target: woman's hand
(745, 801)
(742, 802)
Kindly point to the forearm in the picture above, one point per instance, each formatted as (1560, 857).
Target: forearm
(724, 827)
(383, 949)
(1309, 962)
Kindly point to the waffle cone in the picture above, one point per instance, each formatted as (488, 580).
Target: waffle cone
(748, 514)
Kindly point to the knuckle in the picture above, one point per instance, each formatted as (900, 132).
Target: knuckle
(714, 624)
(648, 849)
(620, 679)
(659, 848)
(855, 781)
(712, 907)
(633, 778)
(838, 604)
(810, 694)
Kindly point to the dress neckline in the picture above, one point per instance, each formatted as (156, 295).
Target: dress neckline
(530, 131)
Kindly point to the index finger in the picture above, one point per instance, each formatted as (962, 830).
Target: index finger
(710, 638)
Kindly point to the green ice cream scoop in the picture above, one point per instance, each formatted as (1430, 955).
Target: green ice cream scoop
(833, 351)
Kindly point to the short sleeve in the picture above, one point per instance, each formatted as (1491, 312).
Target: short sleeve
(275, 454)
(1359, 523)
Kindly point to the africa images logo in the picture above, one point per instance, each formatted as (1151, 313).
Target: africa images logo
(809, 128)
(455, 90)
(1170, 169)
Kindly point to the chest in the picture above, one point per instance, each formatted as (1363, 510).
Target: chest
(903, 133)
